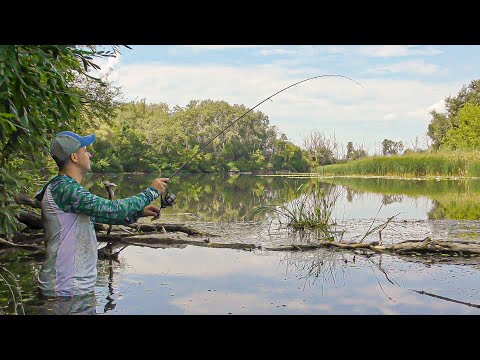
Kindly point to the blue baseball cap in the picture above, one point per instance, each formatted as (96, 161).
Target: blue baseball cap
(66, 143)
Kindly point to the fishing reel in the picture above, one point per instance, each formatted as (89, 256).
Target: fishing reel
(167, 200)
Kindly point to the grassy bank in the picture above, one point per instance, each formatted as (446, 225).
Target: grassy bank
(412, 165)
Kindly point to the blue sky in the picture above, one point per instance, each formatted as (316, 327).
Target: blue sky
(401, 84)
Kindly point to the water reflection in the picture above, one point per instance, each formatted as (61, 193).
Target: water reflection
(192, 280)
(75, 305)
(227, 198)
(220, 281)
(224, 197)
(450, 199)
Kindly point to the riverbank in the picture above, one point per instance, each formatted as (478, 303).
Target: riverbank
(454, 164)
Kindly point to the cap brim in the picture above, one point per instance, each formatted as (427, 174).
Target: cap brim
(87, 140)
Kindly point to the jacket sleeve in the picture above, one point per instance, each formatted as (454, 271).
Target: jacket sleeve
(72, 197)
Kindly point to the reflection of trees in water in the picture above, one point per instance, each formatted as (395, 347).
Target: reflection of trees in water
(455, 208)
(390, 199)
(18, 290)
(209, 197)
(452, 199)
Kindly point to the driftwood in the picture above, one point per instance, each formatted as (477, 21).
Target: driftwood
(178, 238)
(168, 227)
(31, 219)
(23, 199)
(420, 247)
(25, 246)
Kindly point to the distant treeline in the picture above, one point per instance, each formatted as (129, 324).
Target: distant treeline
(154, 137)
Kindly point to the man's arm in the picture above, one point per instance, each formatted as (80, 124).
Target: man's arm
(72, 197)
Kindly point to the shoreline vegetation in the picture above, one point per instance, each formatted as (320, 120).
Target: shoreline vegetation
(455, 164)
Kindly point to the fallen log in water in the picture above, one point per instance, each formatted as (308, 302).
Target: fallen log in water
(420, 247)
(176, 238)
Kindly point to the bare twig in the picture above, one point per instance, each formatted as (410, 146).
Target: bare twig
(421, 292)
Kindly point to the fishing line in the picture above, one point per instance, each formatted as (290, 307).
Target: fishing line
(169, 199)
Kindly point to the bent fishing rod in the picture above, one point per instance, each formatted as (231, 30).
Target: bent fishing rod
(169, 198)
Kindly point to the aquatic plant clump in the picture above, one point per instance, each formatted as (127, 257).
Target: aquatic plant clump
(312, 209)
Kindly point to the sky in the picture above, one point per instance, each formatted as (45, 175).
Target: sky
(399, 85)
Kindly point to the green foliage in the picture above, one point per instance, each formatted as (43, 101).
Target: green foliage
(320, 149)
(441, 124)
(456, 163)
(153, 137)
(43, 90)
(452, 199)
(355, 154)
(467, 134)
(390, 147)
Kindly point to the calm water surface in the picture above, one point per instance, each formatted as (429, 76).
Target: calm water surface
(197, 280)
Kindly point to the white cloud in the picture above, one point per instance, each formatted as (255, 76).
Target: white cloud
(275, 51)
(417, 67)
(325, 103)
(145, 261)
(334, 49)
(397, 50)
(219, 47)
(389, 116)
(439, 106)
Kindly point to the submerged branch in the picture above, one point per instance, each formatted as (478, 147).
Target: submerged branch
(421, 292)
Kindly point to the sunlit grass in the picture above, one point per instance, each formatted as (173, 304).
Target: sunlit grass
(451, 163)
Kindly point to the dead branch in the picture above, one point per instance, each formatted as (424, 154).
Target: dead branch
(24, 199)
(445, 298)
(168, 227)
(31, 219)
(25, 246)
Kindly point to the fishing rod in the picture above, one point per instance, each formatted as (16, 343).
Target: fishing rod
(169, 198)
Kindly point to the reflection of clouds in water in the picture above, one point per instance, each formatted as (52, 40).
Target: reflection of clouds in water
(238, 303)
(225, 262)
(406, 302)
(258, 282)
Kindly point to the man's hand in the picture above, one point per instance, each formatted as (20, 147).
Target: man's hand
(151, 210)
(160, 184)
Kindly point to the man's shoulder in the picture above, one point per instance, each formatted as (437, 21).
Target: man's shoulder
(62, 182)
(53, 184)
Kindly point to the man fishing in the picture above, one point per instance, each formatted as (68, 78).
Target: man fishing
(68, 214)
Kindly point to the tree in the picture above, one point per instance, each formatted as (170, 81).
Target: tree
(467, 134)
(43, 89)
(321, 150)
(355, 154)
(441, 123)
(350, 151)
(390, 147)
